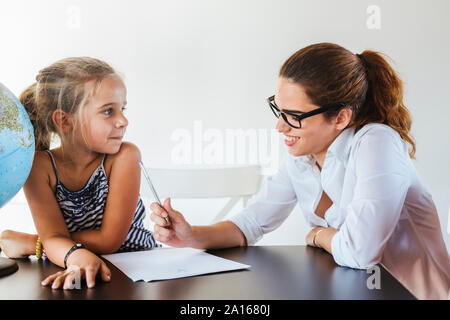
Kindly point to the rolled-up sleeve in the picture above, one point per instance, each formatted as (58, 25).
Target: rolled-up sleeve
(272, 204)
(382, 182)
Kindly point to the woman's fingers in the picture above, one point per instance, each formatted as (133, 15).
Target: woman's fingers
(166, 210)
(157, 219)
(157, 209)
(163, 234)
(163, 231)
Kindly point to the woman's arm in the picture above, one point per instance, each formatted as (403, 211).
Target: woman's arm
(271, 206)
(180, 233)
(382, 182)
(224, 234)
(121, 203)
(321, 239)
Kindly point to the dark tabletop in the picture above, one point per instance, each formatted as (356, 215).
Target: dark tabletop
(277, 272)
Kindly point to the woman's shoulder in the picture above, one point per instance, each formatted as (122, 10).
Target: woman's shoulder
(378, 133)
(377, 139)
(376, 130)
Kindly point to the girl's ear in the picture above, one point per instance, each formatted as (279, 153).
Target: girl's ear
(343, 118)
(63, 121)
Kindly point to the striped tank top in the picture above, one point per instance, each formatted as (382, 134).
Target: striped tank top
(83, 209)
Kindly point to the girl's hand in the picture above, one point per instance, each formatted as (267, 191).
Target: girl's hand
(80, 264)
(176, 234)
(18, 244)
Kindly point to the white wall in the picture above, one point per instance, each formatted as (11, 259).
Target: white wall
(216, 62)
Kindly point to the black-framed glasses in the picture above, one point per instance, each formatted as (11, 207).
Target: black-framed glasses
(294, 119)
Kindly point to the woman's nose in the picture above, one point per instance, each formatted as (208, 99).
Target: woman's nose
(282, 126)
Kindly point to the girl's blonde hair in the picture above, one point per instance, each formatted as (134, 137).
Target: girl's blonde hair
(62, 86)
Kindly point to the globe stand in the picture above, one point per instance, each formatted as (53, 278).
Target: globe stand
(7, 266)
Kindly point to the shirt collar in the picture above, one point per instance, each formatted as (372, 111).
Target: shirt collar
(339, 148)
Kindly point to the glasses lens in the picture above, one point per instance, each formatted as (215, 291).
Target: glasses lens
(292, 121)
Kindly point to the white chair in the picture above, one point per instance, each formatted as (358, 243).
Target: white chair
(235, 183)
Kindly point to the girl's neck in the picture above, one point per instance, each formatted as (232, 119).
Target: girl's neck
(77, 158)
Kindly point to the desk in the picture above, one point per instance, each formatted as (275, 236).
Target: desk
(277, 272)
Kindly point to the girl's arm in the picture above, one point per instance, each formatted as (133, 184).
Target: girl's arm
(52, 228)
(47, 216)
(123, 196)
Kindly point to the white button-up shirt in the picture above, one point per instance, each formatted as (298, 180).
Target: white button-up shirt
(382, 210)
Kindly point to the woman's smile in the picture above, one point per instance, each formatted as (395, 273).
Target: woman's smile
(291, 140)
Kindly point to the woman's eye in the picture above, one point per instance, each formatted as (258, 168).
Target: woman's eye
(107, 111)
(123, 109)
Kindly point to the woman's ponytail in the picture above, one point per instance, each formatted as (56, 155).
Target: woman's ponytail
(384, 98)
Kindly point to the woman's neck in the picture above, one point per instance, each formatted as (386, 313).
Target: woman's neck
(320, 158)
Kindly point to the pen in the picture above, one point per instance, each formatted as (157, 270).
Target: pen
(147, 177)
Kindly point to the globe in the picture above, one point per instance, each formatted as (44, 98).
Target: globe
(16, 155)
(16, 145)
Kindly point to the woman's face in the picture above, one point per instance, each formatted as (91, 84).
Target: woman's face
(316, 133)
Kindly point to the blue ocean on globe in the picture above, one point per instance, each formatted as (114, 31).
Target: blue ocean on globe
(16, 145)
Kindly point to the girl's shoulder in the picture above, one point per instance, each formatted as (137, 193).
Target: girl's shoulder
(42, 168)
(42, 161)
(127, 153)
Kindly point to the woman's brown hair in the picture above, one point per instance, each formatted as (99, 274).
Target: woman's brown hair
(62, 86)
(331, 74)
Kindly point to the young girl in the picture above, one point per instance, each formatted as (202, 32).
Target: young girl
(83, 195)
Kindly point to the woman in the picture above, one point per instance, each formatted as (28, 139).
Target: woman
(347, 132)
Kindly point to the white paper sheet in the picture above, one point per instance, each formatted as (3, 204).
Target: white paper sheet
(170, 263)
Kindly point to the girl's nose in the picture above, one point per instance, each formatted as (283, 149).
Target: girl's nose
(122, 121)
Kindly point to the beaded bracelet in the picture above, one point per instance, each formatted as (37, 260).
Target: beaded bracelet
(39, 248)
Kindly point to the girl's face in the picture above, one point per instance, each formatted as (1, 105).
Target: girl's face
(104, 123)
(316, 133)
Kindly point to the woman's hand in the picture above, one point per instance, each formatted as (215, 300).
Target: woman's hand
(323, 240)
(80, 264)
(178, 233)
(310, 236)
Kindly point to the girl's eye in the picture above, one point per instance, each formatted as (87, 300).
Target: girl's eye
(123, 109)
(107, 111)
